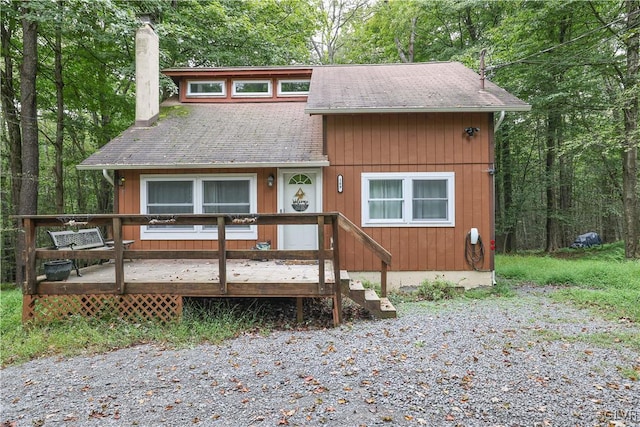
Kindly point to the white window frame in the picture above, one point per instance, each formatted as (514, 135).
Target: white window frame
(407, 206)
(222, 94)
(288, 93)
(199, 232)
(267, 94)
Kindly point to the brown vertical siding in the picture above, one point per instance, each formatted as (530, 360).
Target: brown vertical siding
(412, 143)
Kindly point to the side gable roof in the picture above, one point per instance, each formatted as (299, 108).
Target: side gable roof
(229, 135)
(405, 88)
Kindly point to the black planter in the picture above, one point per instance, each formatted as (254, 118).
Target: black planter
(57, 270)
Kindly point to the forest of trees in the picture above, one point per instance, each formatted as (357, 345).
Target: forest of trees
(567, 167)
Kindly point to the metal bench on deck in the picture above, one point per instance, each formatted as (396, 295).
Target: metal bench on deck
(86, 238)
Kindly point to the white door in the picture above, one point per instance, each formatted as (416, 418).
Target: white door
(300, 193)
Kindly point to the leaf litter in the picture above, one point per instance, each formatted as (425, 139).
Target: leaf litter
(477, 363)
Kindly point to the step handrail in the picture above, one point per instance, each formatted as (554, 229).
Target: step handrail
(383, 254)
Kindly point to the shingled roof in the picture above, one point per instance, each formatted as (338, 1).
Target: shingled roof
(276, 134)
(229, 135)
(405, 88)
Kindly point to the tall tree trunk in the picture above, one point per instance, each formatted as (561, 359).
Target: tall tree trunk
(504, 193)
(507, 182)
(553, 145)
(408, 56)
(551, 228)
(28, 203)
(566, 201)
(11, 116)
(630, 149)
(58, 170)
(11, 140)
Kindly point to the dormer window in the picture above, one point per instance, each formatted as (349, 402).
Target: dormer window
(293, 87)
(209, 88)
(251, 88)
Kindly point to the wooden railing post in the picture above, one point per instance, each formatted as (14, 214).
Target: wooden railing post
(222, 254)
(119, 258)
(383, 280)
(321, 278)
(337, 288)
(31, 278)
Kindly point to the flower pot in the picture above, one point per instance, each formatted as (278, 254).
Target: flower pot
(57, 270)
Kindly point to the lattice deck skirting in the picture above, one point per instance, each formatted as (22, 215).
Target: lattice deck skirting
(132, 307)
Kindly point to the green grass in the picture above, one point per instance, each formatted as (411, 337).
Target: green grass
(597, 278)
(79, 335)
(599, 339)
(441, 290)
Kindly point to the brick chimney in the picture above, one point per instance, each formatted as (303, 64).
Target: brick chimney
(147, 75)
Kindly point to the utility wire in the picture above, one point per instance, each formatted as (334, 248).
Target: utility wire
(563, 44)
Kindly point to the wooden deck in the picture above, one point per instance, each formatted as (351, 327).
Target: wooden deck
(149, 282)
(201, 277)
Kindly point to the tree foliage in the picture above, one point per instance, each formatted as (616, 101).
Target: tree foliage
(83, 52)
(569, 166)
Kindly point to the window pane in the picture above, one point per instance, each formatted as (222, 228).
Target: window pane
(206, 88)
(170, 192)
(430, 200)
(430, 189)
(385, 199)
(170, 197)
(385, 189)
(161, 210)
(252, 87)
(225, 194)
(230, 197)
(385, 210)
(301, 86)
(430, 209)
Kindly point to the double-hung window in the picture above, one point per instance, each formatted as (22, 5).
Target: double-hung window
(408, 199)
(164, 195)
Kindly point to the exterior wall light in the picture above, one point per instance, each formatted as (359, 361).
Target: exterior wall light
(339, 183)
(471, 131)
(121, 182)
(270, 180)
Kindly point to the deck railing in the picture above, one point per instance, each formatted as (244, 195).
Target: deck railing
(328, 249)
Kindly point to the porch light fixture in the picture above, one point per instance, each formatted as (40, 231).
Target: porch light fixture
(471, 131)
(270, 180)
(121, 181)
(339, 183)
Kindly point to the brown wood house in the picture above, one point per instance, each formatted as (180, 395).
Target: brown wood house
(405, 151)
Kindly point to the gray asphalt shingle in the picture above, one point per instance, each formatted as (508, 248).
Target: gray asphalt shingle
(416, 87)
(249, 134)
(213, 135)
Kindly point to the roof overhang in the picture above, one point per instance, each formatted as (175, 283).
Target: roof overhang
(395, 110)
(204, 166)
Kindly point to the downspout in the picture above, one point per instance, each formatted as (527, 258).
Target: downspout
(495, 129)
(107, 177)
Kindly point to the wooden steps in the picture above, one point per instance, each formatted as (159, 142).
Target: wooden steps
(367, 298)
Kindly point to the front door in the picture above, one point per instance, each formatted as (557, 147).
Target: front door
(300, 194)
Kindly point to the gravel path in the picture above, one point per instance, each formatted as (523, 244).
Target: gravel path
(525, 361)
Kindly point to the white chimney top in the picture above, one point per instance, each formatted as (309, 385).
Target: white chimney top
(147, 76)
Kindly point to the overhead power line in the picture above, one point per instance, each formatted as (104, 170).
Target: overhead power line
(527, 59)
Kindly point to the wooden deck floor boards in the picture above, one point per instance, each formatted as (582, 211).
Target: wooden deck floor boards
(190, 271)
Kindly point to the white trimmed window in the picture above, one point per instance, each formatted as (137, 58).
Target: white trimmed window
(196, 194)
(408, 199)
(251, 88)
(209, 88)
(293, 87)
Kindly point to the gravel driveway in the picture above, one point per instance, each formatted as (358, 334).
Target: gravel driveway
(525, 361)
